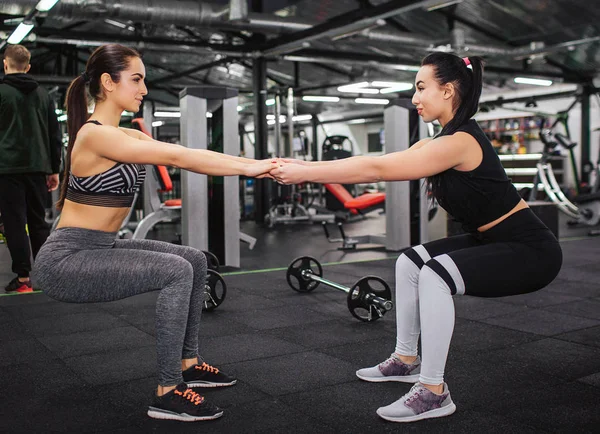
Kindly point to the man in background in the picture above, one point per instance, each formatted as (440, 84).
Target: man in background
(30, 154)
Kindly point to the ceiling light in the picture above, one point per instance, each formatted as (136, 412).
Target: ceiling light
(208, 114)
(271, 122)
(392, 86)
(357, 88)
(357, 121)
(372, 101)
(20, 32)
(270, 101)
(240, 108)
(45, 5)
(301, 118)
(534, 81)
(158, 123)
(62, 118)
(167, 114)
(317, 98)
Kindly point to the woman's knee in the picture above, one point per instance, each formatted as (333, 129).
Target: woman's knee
(178, 269)
(196, 257)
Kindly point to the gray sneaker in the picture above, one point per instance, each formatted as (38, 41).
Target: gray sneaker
(419, 403)
(392, 369)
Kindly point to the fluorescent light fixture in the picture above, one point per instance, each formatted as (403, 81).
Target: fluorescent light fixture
(300, 118)
(317, 98)
(270, 101)
(372, 101)
(357, 88)
(358, 121)
(157, 124)
(19, 33)
(534, 81)
(443, 4)
(271, 122)
(270, 117)
(208, 114)
(62, 118)
(45, 5)
(240, 108)
(389, 87)
(282, 118)
(167, 114)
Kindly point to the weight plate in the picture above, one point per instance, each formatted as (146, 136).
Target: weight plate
(215, 290)
(211, 260)
(358, 305)
(589, 213)
(294, 273)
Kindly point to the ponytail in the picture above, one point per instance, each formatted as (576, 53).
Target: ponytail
(111, 59)
(77, 114)
(468, 83)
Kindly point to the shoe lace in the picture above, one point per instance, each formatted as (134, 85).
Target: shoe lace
(191, 396)
(206, 367)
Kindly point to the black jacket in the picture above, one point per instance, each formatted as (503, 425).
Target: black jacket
(30, 137)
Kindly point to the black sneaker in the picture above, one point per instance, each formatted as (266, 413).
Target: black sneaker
(183, 404)
(205, 375)
(18, 286)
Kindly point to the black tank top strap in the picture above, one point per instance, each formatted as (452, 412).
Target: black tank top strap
(92, 121)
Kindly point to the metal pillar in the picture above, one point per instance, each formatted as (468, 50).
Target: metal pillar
(222, 239)
(585, 161)
(397, 194)
(261, 191)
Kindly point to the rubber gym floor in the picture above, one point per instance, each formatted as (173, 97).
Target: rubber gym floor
(522, 364)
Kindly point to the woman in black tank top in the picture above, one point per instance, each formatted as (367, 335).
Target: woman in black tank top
(506, 249)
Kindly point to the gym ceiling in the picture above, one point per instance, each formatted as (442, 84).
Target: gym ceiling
(313, 46)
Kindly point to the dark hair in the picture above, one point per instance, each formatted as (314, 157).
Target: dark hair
(450, 68)
(111, 59)
(17, 57)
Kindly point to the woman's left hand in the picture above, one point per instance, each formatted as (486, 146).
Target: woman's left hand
(289, 173)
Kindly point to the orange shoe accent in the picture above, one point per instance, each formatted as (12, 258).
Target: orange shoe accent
(206, 367)
(24, 288)
(190, 395)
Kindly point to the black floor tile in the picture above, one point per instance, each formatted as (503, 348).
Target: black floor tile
(364, 354)
(73, 323)
(589, 336)
(23, 351)
(242, 347)
(577, 289)
(28, 312)
(542, 322)
(474, 337)
(592, 380)
(477, 308)
(332, 333)
(278, 317)
(292, 373)
(27, 298)
(114, 367)
(559, 408)
(564, 360)
(541, 298)
(583, 308)
(12, 330)
(34, 377)
(79, 344)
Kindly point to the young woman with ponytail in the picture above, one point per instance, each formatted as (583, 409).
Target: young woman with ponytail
(506, 250)
(82, 262)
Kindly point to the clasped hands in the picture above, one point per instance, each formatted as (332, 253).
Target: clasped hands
(282, 170)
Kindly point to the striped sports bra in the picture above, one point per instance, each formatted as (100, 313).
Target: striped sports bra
(114, 188)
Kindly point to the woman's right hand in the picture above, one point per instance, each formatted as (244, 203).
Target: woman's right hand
(261, 168)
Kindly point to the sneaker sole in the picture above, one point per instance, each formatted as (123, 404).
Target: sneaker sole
(208, 384)
(399, 378)
(438, 412)
(158, 413)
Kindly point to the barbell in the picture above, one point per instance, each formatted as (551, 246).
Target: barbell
(369, 299)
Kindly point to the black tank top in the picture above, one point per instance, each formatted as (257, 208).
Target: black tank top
(480, 196)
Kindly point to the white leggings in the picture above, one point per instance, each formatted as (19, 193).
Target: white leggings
(517, 256)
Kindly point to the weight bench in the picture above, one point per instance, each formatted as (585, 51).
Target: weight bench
(169, 210)
(359, 205)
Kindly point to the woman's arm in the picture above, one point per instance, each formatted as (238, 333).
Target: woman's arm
(430, 158)
(113, 144)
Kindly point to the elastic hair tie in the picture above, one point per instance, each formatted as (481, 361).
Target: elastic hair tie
(467, 61)
(86, 78)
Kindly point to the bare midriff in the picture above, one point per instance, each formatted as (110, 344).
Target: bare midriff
(99, 218)
(521, 205)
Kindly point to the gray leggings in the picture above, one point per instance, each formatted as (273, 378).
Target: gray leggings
(85, 266)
